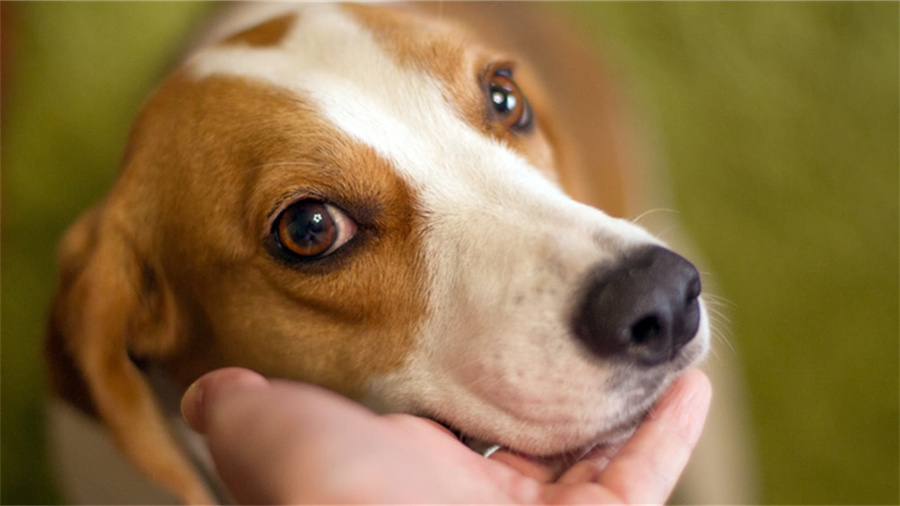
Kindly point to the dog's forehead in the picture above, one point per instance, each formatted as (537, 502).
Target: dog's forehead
(407, 90)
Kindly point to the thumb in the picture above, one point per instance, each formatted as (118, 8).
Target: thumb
(204, 394)
(228, 406)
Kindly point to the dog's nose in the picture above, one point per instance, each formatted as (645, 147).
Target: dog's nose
(643, 309)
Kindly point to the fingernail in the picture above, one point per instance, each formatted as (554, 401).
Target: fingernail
(192, 406)
(208, 390)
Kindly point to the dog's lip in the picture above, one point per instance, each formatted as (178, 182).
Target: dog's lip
(603, 446)
(549, 468)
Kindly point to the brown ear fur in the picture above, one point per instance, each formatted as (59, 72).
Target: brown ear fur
(110, 299)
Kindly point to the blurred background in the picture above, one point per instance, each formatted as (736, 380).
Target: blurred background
(777, 125)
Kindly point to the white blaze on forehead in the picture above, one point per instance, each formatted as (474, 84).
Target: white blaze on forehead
(329, 59)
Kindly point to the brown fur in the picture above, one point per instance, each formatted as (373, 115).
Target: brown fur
(582, 115)
(167, 267)
(270, 33)
(96, 310)
(456, 57)
(173, 267)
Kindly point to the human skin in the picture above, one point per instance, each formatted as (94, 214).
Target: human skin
(282, 442)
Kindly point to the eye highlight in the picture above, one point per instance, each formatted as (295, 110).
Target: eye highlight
(508, 104)
(311, 229)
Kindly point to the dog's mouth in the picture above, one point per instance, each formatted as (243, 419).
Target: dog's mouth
(603, 446)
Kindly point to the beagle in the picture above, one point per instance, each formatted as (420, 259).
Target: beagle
(374, 199)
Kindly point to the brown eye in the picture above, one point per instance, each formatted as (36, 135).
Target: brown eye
(312, 229)
(507, 101)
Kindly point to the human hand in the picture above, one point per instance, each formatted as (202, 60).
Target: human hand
(281, 442)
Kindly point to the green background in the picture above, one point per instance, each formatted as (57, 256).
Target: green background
(779, 126)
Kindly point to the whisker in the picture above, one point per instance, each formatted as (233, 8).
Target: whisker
(652, 211)
(721, 315)
(663, 234)
(719, 329)
(720, 336)
(717, 309)
(718, 301)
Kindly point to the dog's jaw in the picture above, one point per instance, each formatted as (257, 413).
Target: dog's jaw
(554, 400)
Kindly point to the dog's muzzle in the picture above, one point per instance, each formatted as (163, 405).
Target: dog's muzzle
(643, 309)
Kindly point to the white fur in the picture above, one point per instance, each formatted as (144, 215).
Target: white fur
(505, 248)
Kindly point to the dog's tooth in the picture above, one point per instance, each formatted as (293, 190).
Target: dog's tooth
(489, 451)
(481, 447)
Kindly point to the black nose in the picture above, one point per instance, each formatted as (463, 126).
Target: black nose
(644, 308)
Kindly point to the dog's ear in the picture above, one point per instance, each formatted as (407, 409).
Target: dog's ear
(111, 300)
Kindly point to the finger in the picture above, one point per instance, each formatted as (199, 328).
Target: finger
(589, 468)
(525, 466)
(648, 466)
(659, 450)
(257, 430)
(225, 406)
(204, 393)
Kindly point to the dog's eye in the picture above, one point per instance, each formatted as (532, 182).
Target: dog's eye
(507, 101)
(312, 229)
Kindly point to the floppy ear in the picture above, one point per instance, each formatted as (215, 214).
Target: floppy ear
(111, 299)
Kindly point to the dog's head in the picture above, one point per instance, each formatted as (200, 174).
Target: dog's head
(369, 201)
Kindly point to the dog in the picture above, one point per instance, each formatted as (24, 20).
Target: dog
(389, 201)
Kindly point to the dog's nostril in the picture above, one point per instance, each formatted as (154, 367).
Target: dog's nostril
(694, 289)
(644, 308)
(645, 330)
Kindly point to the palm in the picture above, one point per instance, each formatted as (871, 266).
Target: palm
(425, 453)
